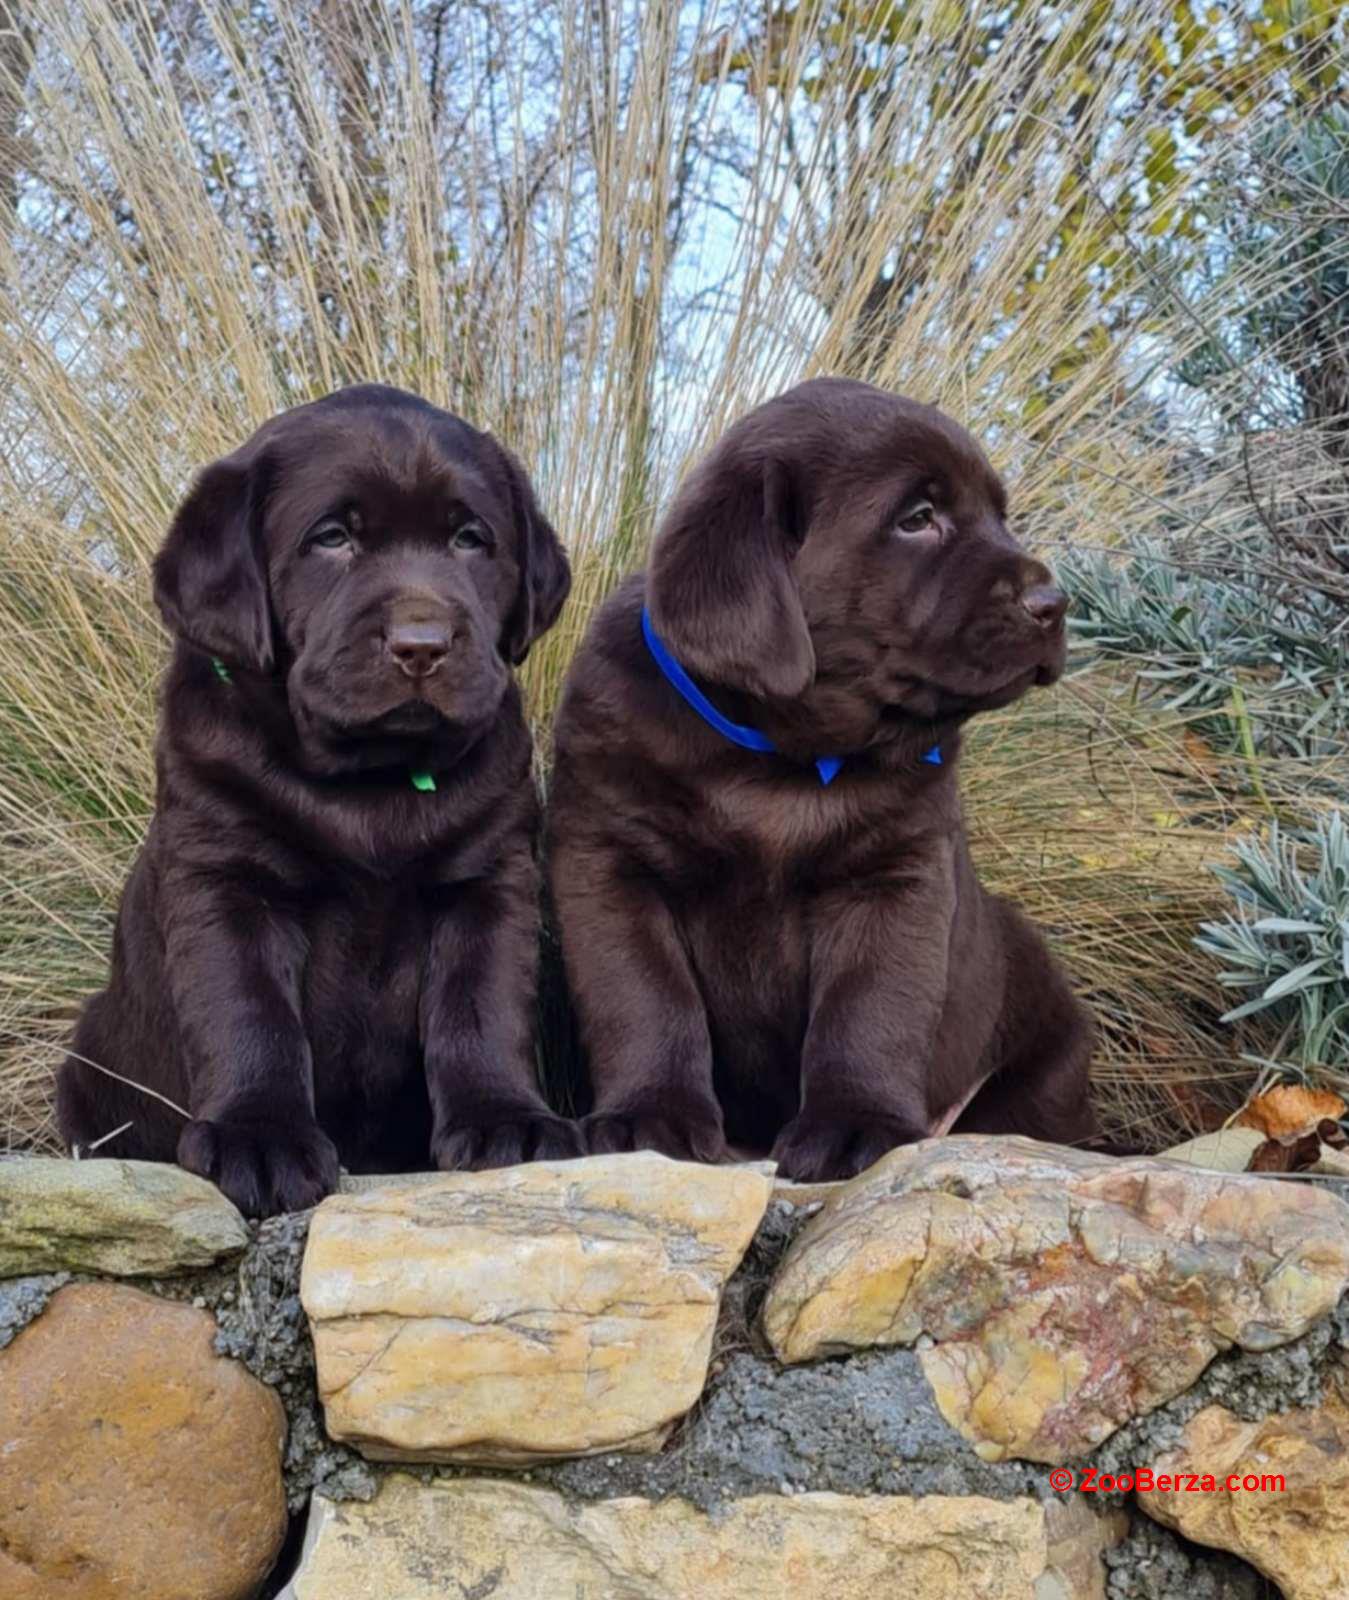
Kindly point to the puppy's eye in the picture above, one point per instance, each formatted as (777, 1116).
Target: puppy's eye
(470, 537)
(329, 536)
(920, 516)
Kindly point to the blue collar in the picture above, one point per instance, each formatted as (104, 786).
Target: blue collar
(737, 733)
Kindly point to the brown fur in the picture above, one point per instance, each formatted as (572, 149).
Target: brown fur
(754, 957)
(312, 958)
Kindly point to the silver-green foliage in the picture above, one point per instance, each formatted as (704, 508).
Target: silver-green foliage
(1195, 635)
(1288, 938)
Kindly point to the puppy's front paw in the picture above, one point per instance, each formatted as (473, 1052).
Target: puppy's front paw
(816, 1149)
(694, 1136)
(510, 1141)
(262, 1166)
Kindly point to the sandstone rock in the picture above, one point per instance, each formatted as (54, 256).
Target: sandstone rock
(514, 1542)
(804, 1194)
(557, 1309)
(135, 1461)
(127, 1218)
(1298, 1535)
(1076, 1537)
(1065, 1292)
(364, 1182)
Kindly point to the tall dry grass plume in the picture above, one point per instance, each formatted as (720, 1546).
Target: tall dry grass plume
(602, 232)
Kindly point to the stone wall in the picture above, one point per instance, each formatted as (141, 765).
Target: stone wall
(626, 1378)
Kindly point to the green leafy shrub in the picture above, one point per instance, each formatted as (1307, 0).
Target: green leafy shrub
(1289, 938)
(1223, 644)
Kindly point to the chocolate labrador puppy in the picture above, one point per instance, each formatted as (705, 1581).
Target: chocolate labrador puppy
(771, 926)
(326, 950)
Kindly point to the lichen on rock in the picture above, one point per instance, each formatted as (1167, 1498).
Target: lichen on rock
(1063, 1292)
(120, 1218)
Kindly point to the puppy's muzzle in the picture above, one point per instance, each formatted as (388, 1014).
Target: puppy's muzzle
(418, 647)
(1045, 605)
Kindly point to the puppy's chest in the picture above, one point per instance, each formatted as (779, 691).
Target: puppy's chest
(780, 842)
(367, 952)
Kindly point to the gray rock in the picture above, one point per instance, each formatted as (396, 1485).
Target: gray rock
(1152, 1563)
(119, 1218)
(860, 1425)
(22, 1299)
(262, 1324)
(1253, 1385)
(867, 1425)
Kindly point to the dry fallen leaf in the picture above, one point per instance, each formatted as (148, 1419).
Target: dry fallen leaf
(1287, 1155)
(1288, 1111)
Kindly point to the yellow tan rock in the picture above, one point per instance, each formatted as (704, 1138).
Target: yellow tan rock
(1064, 1292)
(556, 1309)
(1298, 1535)
(515, 1542)
(1077, 1537)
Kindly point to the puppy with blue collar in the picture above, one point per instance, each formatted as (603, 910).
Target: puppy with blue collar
(772, 928)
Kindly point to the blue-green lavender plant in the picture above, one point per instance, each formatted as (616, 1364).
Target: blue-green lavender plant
(1224, 648)
(1288, 938)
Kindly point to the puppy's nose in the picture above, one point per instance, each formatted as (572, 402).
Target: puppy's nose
(1046, 604)
(419, 647)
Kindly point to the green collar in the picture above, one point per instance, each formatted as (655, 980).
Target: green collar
(424, 782)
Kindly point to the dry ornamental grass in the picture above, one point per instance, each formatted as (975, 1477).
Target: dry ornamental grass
(602, 234)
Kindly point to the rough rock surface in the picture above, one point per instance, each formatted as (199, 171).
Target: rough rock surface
(22, 1300)
(1077, 1538)
(1252, 1385)
(523, 1314)
(867, 1426)
(136, 1461)
(122, 1218)
(512, 1541)
(1065, 1292)
(1156, 1563)
(263, 1325)
(1298, 1534)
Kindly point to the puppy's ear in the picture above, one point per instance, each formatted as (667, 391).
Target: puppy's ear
(720, 589)
(210, 577)
(545, 575)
